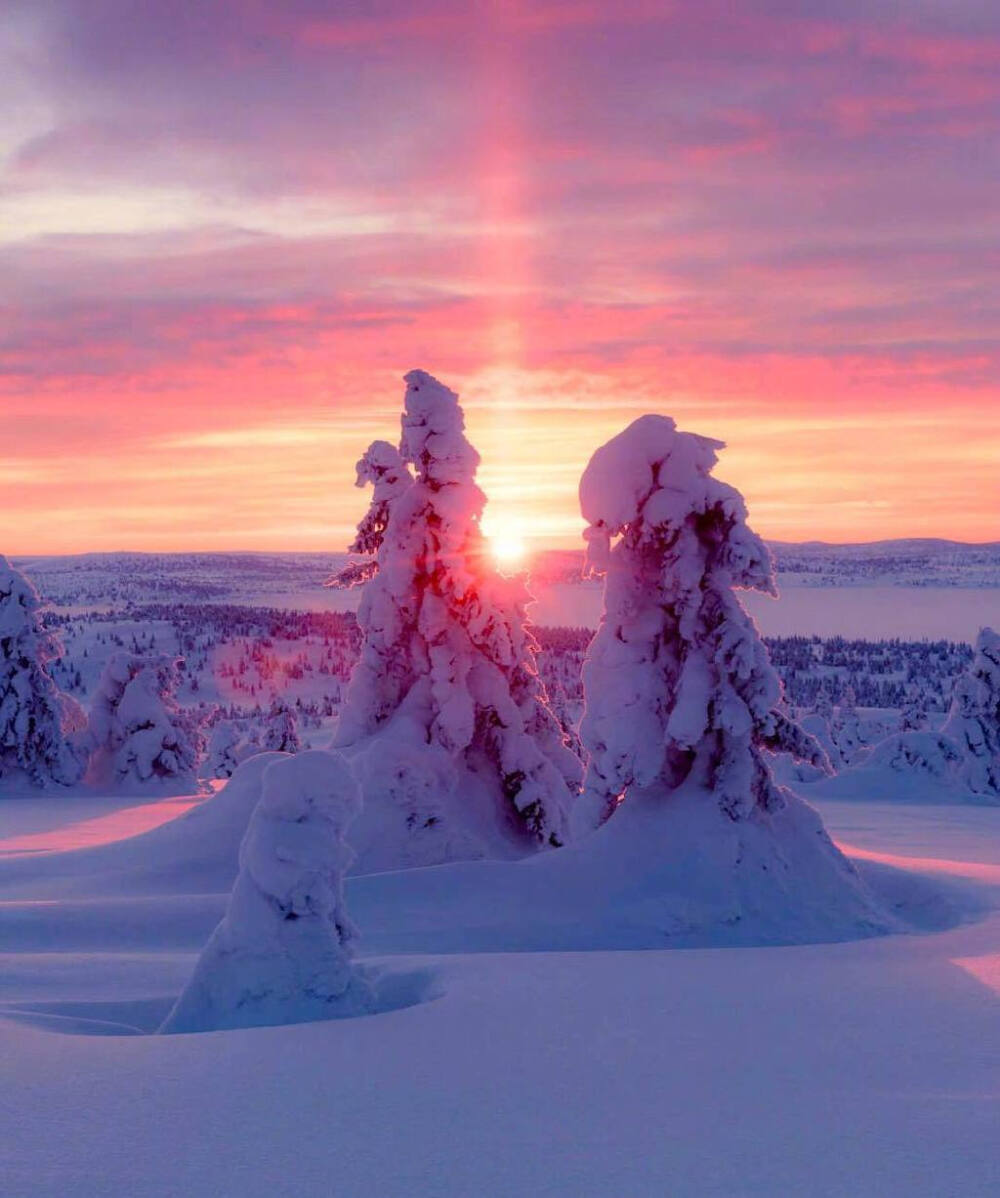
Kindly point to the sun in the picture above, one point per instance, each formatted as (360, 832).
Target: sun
(508, 549)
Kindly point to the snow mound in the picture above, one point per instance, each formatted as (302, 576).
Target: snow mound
(410, 815)
(667, 870)
(283, 951)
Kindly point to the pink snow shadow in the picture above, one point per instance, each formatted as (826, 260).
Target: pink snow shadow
(983, 969)
(975, 871)
(103, 829)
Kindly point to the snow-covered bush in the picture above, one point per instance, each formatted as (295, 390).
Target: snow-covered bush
(678, 684)
(281, 732)
(140, 732)
(928, 754)
(846, 729)
(445, 637)
(37, 721)
(222, 755)
(283, 951)
(974, 718)
(913, 715)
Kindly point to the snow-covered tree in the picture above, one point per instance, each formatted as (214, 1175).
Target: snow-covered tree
(283, 951)
(973, 720)
(824, 704)
(917, 754)
(37, 721)
(281, 732)
(445, 636)
(913, 716)
(678, 683)
(846, 728)
(222, 756)
(140, 732)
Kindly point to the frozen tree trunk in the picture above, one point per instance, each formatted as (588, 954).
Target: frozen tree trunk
(37, 721)
(678, 684)
(140, 732)
(283, 951)
(446, 648)
(973, 720)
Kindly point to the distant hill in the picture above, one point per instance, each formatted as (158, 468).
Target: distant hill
(914, 561)
(281, 578)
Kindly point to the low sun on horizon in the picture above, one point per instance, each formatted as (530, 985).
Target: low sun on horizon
(508, 549)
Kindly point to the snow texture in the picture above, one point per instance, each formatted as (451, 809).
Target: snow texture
(677, 681)
(282, 953)
(140, 733)
(446, 647)
(974, 719)
(37, 721)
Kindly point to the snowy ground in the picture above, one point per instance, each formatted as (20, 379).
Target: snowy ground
(861, 1068)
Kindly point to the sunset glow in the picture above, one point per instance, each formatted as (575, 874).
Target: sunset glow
(508, 549)
(225, 236)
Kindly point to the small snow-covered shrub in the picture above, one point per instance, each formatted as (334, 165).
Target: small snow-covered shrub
(37, 721)
(283, 951)
(140, 732)
(930, 754)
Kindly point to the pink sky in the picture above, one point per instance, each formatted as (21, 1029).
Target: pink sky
(227, 230)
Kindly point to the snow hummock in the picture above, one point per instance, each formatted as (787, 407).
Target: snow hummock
(668, 870)
(282, 953)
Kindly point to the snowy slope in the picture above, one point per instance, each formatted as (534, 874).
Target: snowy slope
(864, 1068)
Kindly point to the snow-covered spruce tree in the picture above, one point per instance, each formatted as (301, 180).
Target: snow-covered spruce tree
(446, 647)
(37, 720)
(824, 704)
(282, 953)
(281, 732)
(221, 758)
(913, 716)
(140, 732)
(677, 681)
(973, 720)
(846, 729)
(698, 844)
